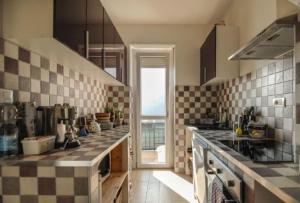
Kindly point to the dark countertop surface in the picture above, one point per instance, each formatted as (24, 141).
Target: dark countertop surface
(281, 179)
(92, 149)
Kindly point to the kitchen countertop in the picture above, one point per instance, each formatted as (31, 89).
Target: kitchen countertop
(283, 180)
(92, 149)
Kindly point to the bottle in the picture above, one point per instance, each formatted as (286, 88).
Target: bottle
(61, 132)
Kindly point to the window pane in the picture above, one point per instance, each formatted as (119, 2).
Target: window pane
(111, 71)
(153, 91)
(153, 141)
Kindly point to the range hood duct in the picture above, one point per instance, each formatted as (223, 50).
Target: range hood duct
(273, 42)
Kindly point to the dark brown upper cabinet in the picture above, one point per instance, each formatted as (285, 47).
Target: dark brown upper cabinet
(85, 27)
(220, 43)
(208, 58)
(70, 23)
(95, 18)
(114, 51)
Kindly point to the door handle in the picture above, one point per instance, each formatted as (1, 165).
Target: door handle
(204, 72)
(87, 42)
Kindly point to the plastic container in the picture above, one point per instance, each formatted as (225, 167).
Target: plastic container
(38, 145)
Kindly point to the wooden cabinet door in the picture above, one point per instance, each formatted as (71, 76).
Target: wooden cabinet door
(111, 58)
(208, 58)
(211, 54)
(114, 51)
(95, 19)
(70, 23)
(202, 65)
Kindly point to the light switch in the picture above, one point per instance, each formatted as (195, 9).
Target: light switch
(279, 102)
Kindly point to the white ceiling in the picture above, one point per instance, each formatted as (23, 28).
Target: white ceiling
(166, 11)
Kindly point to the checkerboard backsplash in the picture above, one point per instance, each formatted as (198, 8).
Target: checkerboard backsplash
(34, 78)
(119, 98)
(258, 88)
(191, 104)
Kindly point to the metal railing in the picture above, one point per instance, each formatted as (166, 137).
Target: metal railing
(153, 135)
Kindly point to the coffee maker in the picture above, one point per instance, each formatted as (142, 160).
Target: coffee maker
(45, 120)
(68, 115)
(9, 143)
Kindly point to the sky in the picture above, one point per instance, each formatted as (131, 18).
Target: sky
(153, 91)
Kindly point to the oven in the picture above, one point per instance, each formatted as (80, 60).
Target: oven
(223, 186)
(200, 148)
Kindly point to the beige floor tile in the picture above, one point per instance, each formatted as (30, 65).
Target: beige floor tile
(148, 189)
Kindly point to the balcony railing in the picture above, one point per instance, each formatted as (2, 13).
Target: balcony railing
(153, 135)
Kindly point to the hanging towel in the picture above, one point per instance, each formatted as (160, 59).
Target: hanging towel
(217, 191)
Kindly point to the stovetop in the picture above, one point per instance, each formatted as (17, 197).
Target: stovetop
(262, 150)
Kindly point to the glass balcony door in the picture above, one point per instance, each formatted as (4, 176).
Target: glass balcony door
(153, 128)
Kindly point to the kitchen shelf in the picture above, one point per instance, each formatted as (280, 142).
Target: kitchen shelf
(112, 185)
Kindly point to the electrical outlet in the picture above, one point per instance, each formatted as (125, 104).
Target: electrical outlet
(279, 102)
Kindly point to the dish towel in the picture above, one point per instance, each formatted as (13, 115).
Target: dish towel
(217, 192)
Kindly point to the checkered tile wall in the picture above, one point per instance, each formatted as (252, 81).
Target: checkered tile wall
(34, 78)
(119, 98)
(191, 104)
(259, 88)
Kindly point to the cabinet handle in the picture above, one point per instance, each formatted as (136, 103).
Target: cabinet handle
(87, 42)
(204, 70)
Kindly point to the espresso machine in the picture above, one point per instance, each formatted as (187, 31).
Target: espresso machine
(68, 117)
(48, 118)
(45, 120)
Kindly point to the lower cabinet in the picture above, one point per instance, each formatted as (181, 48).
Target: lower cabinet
(115, 187)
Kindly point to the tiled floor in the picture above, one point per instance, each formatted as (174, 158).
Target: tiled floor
(161, 186)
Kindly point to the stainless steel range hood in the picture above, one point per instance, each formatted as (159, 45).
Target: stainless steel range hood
(271, 43)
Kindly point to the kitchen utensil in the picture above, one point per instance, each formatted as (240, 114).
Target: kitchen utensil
(106, 125)
(94, 126)
(103, 117)
(83, 132)
(257, 130)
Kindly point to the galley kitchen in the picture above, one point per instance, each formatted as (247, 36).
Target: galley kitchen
(138, 101)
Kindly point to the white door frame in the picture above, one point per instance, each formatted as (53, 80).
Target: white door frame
(167, 51)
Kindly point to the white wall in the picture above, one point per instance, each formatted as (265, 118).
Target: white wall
(187, 39)
(1, 17)
(27, 19)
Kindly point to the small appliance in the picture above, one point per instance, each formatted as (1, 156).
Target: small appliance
(68, 117)
(46, 120)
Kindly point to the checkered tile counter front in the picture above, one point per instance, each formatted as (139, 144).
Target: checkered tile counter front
(281, 179)
(92, 149)
(51, 178)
